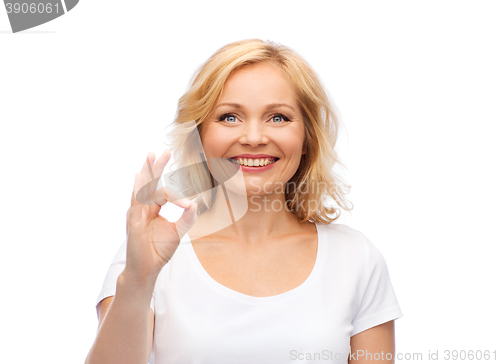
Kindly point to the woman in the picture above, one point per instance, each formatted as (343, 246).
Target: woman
(263, 276)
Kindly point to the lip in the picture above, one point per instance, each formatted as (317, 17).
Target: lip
(253, 156)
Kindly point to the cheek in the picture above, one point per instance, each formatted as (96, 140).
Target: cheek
(210, 146)
(211, 140)
(292, 142)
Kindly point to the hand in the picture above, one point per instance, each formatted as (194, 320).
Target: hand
(151, 239)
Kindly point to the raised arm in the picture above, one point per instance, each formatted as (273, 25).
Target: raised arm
(126, 322)
(104, 307)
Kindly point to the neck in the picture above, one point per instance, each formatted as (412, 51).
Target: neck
(250, 219)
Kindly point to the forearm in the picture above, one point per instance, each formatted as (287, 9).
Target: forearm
(123, 335)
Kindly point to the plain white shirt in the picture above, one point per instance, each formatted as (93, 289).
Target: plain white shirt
(198, 320)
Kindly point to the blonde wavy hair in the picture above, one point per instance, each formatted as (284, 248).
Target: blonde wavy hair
(322, 124)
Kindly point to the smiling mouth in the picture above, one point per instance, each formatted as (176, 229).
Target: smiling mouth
(259, 162)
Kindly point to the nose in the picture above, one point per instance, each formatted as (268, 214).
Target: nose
(253, 134)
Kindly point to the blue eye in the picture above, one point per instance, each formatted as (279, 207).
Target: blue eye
(278, 118)
(230, 118)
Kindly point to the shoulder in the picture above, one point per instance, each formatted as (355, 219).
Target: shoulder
(341, 228)
(343, 234)
(349, 242)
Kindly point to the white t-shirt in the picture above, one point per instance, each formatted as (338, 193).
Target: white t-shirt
(198, 320)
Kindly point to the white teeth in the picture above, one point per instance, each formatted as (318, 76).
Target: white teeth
(253, 162)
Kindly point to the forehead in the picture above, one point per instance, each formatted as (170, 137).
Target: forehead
(257, 83)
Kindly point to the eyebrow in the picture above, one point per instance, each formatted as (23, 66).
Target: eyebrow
(268, 107)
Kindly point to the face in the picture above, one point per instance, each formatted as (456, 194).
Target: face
(257, 119)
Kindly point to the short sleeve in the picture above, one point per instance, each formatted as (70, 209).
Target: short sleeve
(378, 303)
(114, 270)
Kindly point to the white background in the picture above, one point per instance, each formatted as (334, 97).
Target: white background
(84, 98)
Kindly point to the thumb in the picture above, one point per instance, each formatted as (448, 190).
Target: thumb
(187, 220)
